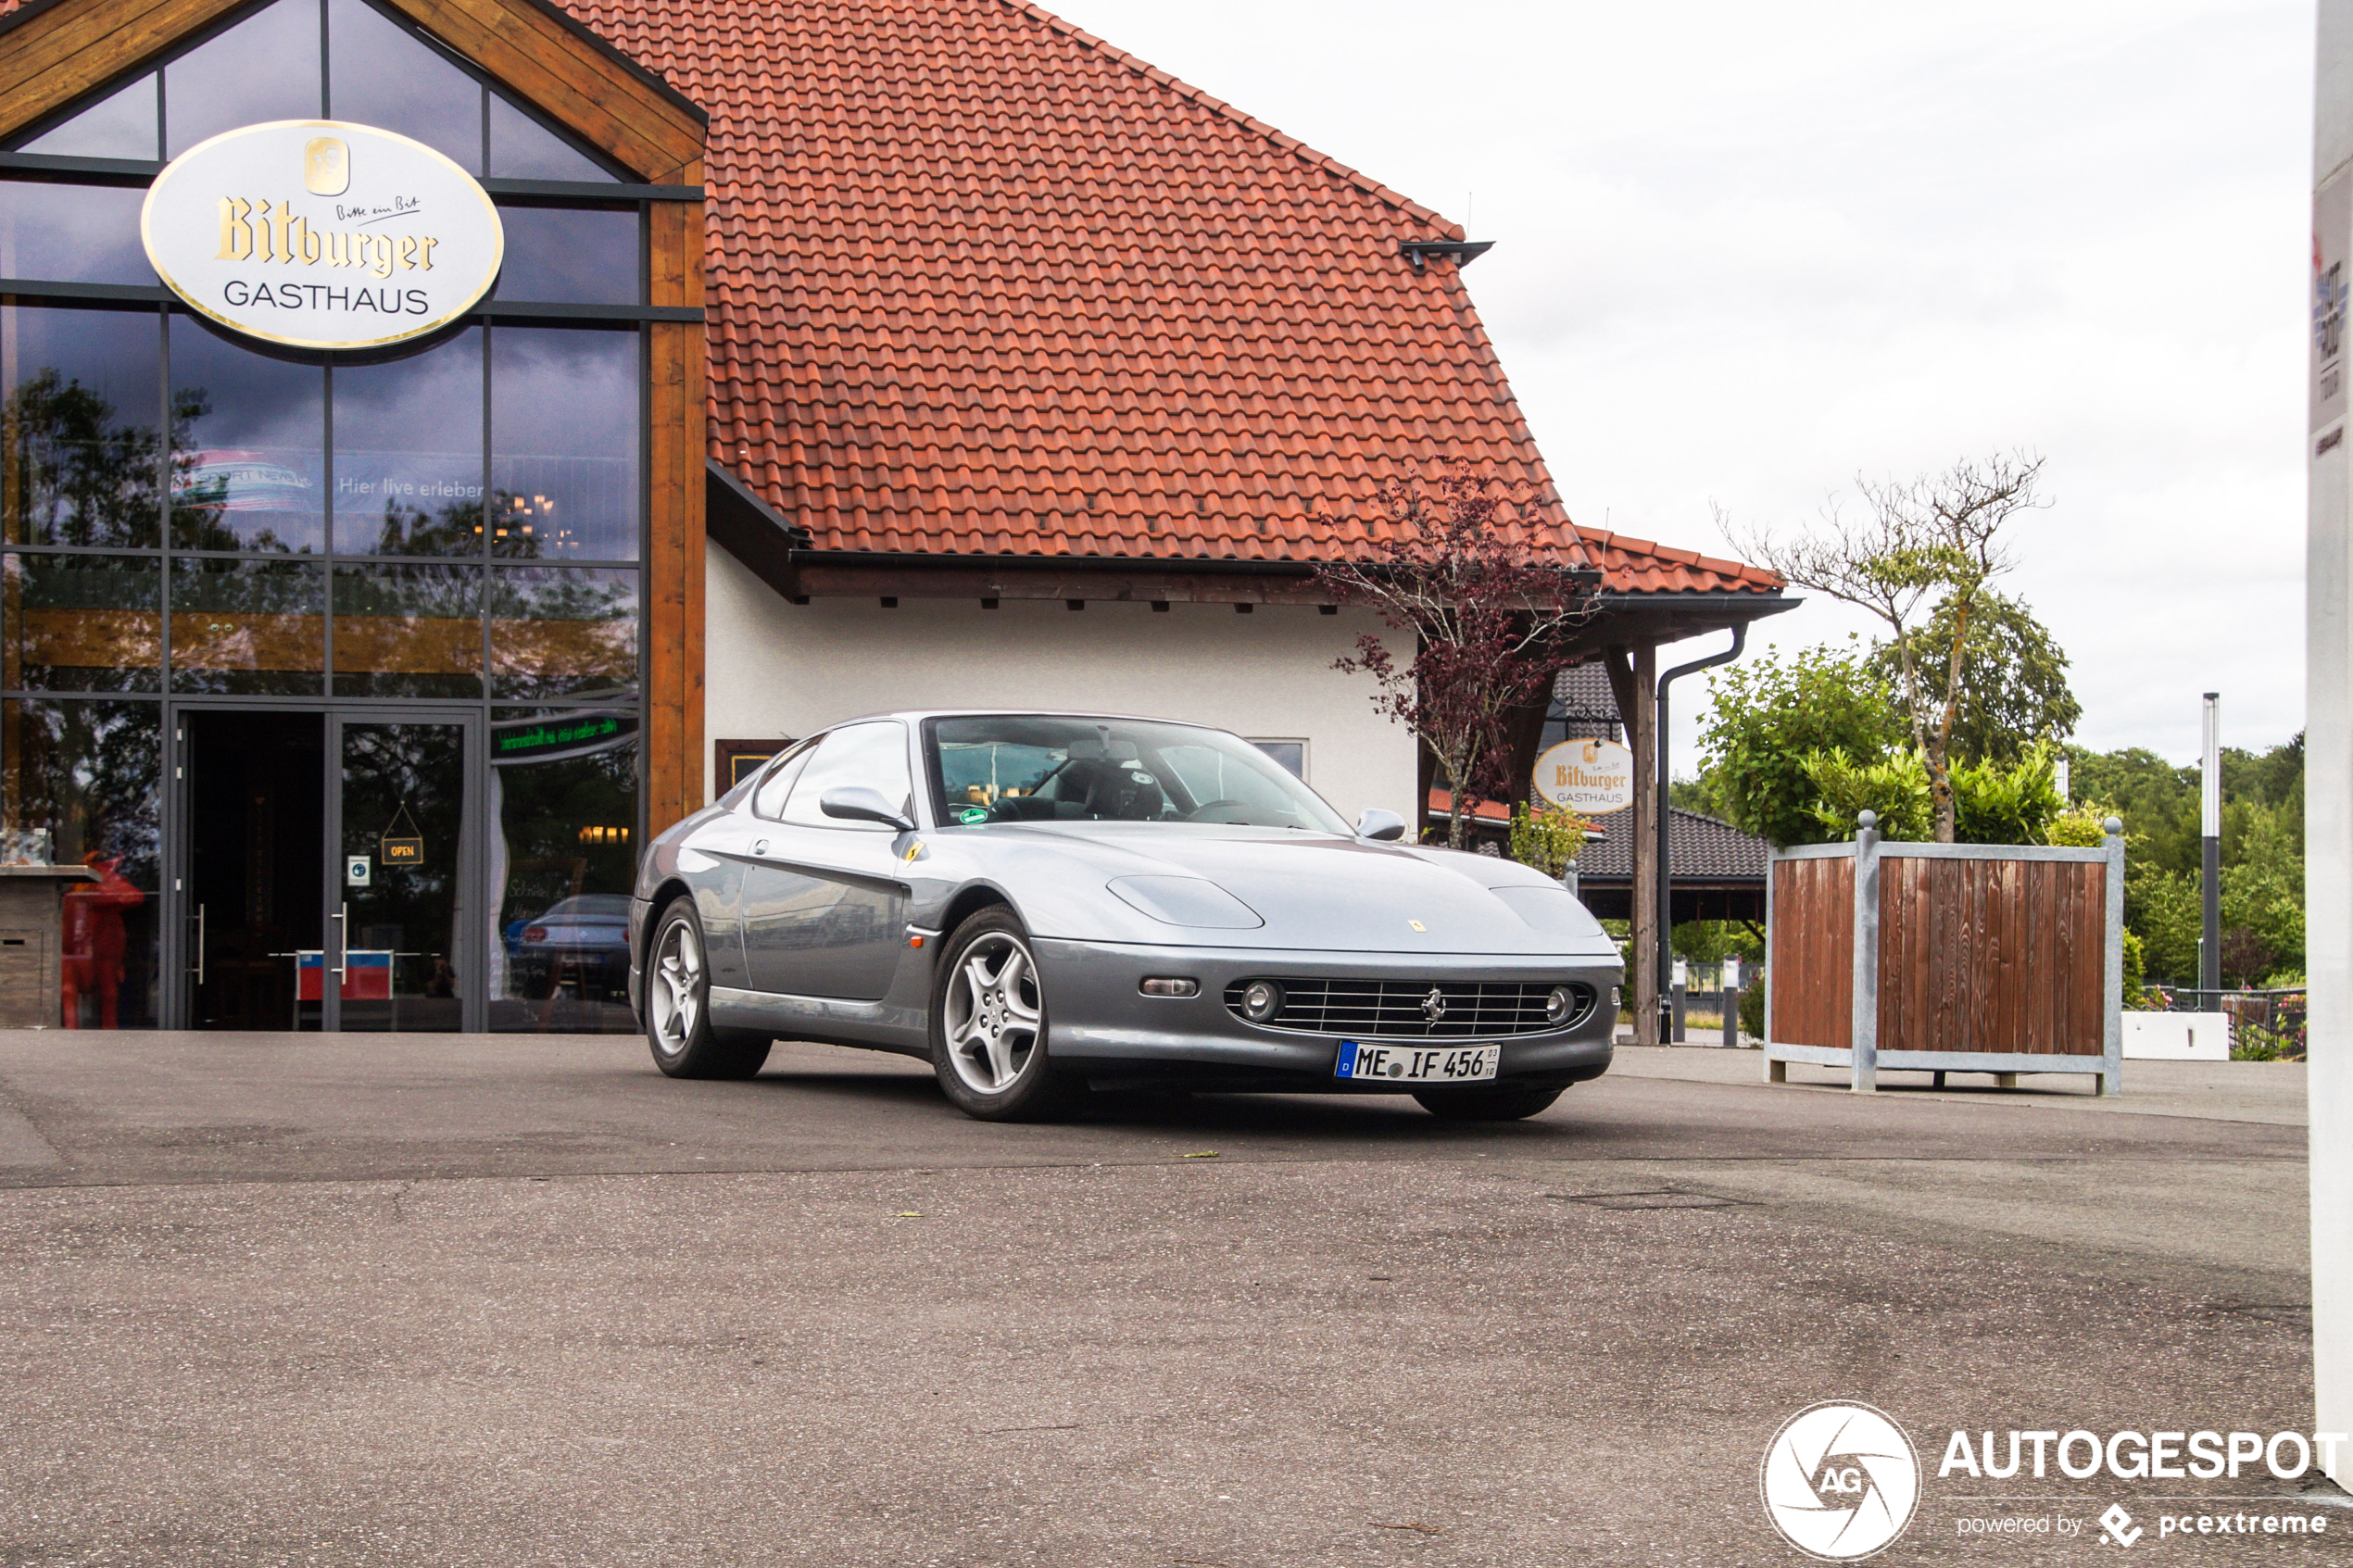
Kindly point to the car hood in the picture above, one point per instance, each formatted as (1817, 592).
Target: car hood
(1311, 891)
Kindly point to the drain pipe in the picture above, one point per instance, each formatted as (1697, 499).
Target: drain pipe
(1665, 871)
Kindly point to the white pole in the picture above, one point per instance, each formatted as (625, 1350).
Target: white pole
(2328, 877)
(2209, 827)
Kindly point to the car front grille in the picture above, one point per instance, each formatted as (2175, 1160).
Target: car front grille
(1403, 1009)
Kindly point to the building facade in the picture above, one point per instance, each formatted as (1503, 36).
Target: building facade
(840, 358)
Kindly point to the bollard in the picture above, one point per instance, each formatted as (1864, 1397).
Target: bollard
(1679, 991)
(1731, 1016)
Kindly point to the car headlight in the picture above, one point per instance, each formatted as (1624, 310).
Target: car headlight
(1262, 999)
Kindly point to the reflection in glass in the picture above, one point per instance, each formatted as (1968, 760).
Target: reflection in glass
(121, 124)
(558, 632)
(409, 453)
(248, 464)
(383, 75)
(570, 254)
(409, 630)
(85, 623)
(563, 444)
(404, 807)
(73, 233)
(247, 626)
(265, 68)
(563, 795)
(79, 440)
(520, 148)
(87, 773)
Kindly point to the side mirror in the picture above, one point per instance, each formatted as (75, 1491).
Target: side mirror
(1377, 823)
(858, 804)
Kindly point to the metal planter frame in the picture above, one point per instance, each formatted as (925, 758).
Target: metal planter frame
(1864, 1058)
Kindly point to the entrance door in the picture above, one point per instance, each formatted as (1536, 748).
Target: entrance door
(331, 869)
(403, 919)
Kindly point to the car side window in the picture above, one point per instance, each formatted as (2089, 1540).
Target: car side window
(767, 799)
(856, 756)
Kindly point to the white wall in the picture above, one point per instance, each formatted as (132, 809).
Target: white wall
(779, 669)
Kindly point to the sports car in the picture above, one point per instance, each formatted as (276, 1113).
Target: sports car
(1045, 904)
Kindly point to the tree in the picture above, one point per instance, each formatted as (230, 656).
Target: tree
(1486, 609)
(2013, 679)
(1769, 715)
(1939, 534)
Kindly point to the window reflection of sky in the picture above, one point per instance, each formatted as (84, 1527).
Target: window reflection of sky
(121, 124)
(571, 254)
(249, 461)
(408, 470)
(265, 68)
(73, 233)
(564, 434)
(383, 75)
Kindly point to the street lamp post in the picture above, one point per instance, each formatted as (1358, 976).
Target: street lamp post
(2210, 816)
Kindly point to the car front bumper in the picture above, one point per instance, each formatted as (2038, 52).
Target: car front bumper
(1100, 1023)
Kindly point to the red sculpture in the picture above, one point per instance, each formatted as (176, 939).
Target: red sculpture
(93, 941)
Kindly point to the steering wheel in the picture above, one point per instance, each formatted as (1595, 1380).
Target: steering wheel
(1194, 814)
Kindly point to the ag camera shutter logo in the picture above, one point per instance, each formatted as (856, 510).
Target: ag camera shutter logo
(1840, 1480)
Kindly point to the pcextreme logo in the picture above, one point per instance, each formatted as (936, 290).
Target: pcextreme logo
(1840, 1480)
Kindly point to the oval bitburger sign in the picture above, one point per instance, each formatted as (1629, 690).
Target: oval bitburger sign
(322, 235)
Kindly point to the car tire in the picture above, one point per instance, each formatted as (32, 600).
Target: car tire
(1501, 1104)
(678, 1027)
(988, 1026)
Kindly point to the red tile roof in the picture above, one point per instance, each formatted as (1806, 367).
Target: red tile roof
(981, 282)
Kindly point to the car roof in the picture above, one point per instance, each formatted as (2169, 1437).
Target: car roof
(916, 714)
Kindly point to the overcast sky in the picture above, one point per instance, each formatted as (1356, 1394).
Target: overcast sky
(1745, 251)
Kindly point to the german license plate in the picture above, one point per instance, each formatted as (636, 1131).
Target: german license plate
(1418, 1064)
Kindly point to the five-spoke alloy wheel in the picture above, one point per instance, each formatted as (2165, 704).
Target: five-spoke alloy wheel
(678, 1005)
(988, 1024)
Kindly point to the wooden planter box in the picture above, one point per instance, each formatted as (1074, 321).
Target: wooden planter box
(1945, 958)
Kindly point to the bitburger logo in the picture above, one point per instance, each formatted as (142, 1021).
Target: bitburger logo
(1840, 1480)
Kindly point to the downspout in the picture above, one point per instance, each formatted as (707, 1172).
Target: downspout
(1665, 871)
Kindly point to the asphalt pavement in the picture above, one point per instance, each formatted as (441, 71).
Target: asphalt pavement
(520, 1300)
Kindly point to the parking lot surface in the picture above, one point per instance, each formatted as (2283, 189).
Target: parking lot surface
(520, 1300)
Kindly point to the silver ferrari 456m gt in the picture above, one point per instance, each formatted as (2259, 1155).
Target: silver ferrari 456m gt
(1040, 904)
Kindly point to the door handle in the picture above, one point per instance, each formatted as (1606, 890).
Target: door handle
(760, 846)
(343, 941)
(200, 944)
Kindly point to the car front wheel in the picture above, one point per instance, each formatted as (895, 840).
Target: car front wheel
(989, 1024)
(678, 1023)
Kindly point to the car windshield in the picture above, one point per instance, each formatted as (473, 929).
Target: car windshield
(1020, 768)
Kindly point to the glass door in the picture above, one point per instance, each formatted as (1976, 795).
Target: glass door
(399, 955)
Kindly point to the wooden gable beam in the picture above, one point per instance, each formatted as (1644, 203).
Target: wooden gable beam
(52, 54)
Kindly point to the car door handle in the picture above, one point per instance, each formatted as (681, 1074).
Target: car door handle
(760, 846)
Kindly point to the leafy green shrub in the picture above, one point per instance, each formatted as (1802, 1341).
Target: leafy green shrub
(2013, 803)
(1895, 786)
(1753, 1012)
(1547, 837)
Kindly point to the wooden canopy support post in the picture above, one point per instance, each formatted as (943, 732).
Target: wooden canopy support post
(1633, 679)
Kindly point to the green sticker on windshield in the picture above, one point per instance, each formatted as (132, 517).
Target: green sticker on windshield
(973, 815)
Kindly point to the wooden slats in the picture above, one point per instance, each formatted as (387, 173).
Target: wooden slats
(1989, 955)
(50, 59)
(1813, 968)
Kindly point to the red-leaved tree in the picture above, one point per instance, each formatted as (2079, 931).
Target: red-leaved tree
(1450, 565)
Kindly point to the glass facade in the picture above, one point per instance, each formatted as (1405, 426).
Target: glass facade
(197, 535)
